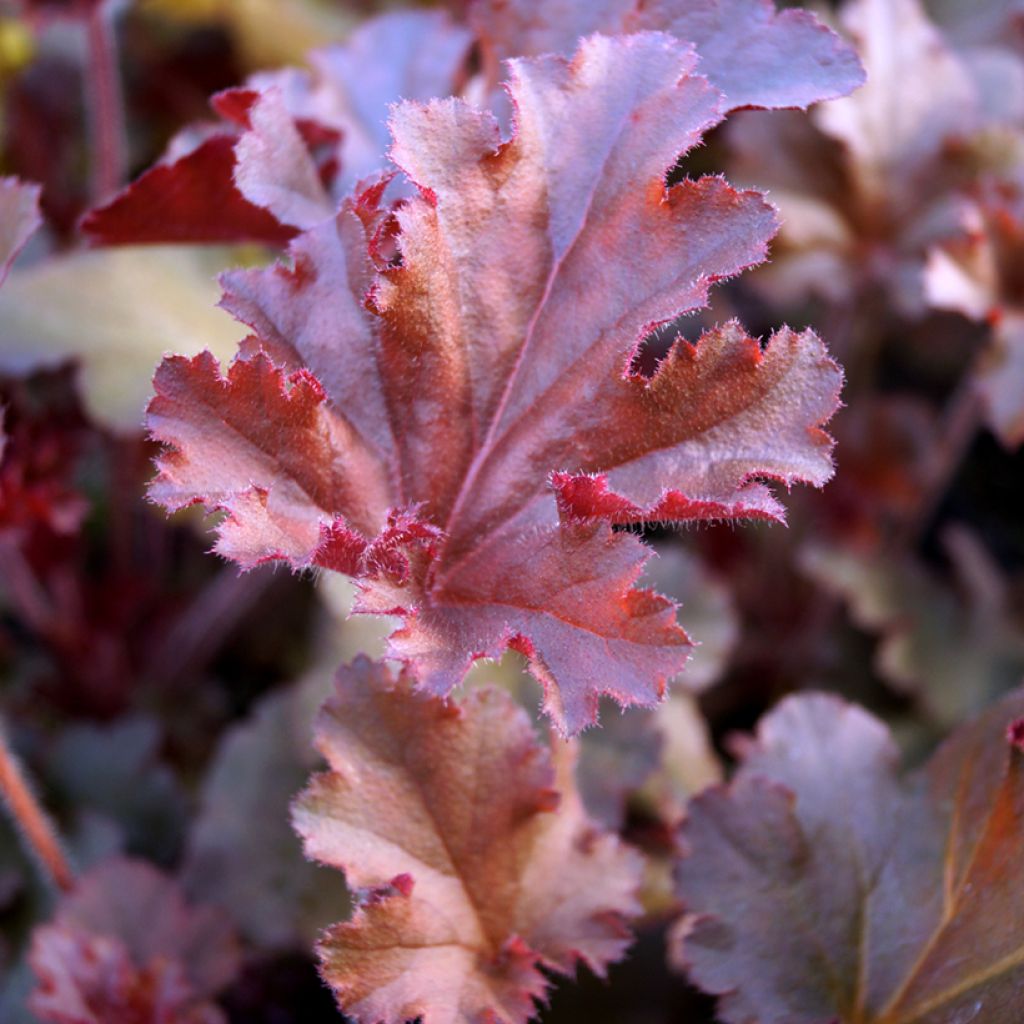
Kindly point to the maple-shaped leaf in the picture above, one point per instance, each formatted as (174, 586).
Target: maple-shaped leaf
(19, 218)
(471, 870)
(822, 887)
(415, 445)
(126, 948)
(755, 55)
(980, 276)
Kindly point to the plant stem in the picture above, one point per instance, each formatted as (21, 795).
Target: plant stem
(105, 102)
(36, 827)
(960, 424)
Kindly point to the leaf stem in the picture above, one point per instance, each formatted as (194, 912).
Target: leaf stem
(34, 823)
(959, 427)
(105, 100)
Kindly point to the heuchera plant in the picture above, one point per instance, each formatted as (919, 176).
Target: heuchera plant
(461, 426)
(492, 353)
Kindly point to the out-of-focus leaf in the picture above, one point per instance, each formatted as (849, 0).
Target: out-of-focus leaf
(707, 606)
(125, 946)
(242, 853)
(688, 762)
(953, 649)
(664, 754)
(403, 55)
(455, 529)
(268, 33)
(820, 887)
(981, 276)
(291, 142)
(115, 311)
(983, 22)
(274, 170)
(918, 95)
(187, 198)
(756, 56)
(472, 870)
(615, 761)
(885, 455)
(114, 770)
(868, 183)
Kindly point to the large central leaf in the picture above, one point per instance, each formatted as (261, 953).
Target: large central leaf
(407, 425)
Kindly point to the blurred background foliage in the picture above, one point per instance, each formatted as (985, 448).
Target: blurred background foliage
(162, 701)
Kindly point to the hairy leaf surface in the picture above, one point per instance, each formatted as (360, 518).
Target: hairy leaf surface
(468, 880)
(415, 444)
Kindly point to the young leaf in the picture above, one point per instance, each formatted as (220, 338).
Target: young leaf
(124, 946)
(755, 56)
(471, 871)
(821, 887)
(413, 445)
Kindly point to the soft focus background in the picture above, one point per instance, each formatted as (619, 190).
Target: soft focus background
(161, 701)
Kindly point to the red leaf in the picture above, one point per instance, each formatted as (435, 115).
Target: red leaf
(191, 199)
(292, 140)
(471, 872)
(496, 354)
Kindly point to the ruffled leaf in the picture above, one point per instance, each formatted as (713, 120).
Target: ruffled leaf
(471, 870)
(407, 425)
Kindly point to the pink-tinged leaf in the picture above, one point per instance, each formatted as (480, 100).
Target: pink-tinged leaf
(755, 56)
(461, 385)
(821, 887)
(188, 199)
(125, 946)
(19, 218)
(258, 424)
(91, 979)
(274, 170)
(565, 598)
(472, 870)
